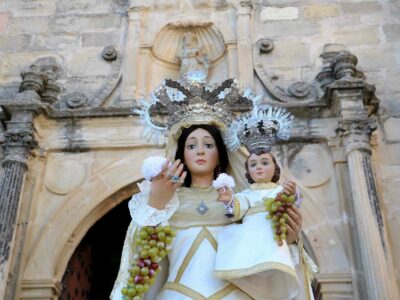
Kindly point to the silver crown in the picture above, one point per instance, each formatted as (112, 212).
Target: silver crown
(190, 102)
(262, 127)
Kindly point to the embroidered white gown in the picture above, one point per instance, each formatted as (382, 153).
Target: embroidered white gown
(190, 274)
(248, 256)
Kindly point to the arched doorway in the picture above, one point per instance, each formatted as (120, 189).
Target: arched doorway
(93, 267)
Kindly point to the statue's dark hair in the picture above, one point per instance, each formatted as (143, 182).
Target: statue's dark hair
(277, 172)
(216, 134)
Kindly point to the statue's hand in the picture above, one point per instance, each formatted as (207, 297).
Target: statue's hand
(293, 224)
(289, 187)
(164, 186)
(225, 195)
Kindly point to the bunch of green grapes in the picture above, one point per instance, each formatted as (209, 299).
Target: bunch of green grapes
(152, 244)
(277, 212)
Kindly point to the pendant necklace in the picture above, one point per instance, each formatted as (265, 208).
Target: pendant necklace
(202, 208)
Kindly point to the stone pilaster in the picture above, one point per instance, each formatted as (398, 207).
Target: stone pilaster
(368, 218)
(131, 55)
(17, 146)
(353, 101)
(244, 44)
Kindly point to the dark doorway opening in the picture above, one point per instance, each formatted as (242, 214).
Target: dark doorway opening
(93, 267)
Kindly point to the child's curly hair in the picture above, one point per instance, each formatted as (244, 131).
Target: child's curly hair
(277, 172)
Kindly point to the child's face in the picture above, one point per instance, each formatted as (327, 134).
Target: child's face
(261, 167)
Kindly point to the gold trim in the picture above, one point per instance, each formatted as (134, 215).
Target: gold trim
(196, 295)
(183, 290)
(222, 293)
(236, 209)
(203, 234)
(237, 273)
(263, 186)
(201, 225)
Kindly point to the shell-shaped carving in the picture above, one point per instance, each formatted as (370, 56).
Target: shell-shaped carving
(168, 41)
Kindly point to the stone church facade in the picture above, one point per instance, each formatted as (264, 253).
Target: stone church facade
(71, 72)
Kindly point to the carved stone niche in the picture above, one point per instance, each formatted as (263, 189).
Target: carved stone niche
(169, 44)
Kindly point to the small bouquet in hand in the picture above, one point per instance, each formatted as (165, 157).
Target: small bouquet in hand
(277, 212)
(152, 167)
(224, 181)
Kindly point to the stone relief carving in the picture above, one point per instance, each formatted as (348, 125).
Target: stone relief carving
(302, 165)
(63, 176)
(297, 91)
(168, 44)
(192, 56)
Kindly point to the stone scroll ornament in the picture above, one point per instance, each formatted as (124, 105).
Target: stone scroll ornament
(297, 91)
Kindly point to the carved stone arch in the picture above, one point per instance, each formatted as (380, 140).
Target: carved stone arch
(169, 39)
(69, 224)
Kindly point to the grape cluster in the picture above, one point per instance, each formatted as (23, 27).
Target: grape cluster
(277, 212)
(152, 244)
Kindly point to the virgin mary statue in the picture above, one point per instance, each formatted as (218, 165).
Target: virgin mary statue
(200, 146)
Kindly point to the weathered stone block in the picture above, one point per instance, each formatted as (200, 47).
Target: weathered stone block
(392, 32)
(88, 63)
(361, 7)
(392, 131)
(37, 8)
(374, 19)
(393, 80)
(55, 42)
(4, 20)
(362, 36)
(390, 104)
(15, 43)
(100, 39)
(283, 56)
(290, 28)
(84, 6)
(321, 10)
(11, 64)
(376, 57)
(28, 25)
(76, 23)
(279, 13)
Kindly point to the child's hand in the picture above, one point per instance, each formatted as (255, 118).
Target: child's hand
(225, 195)
(289, 187)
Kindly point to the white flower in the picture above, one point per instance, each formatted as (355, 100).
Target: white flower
(152, 166)
(223, 180)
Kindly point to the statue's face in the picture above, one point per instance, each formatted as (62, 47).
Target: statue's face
(261, 167)
(188, 39)
(201, 153)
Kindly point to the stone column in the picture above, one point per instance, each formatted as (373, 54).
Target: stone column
(244, 44)
(368, 218)
(18, 143)
(353, 101)
(131, 56)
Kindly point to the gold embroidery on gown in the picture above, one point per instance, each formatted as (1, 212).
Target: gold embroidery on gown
(194, 248)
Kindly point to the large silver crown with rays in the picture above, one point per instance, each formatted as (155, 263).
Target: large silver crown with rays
(261, 128)
(191, 101)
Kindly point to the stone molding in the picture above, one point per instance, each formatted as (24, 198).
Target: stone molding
(356, 134)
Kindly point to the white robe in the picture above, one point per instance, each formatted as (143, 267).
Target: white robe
(190, 274)
(249, 257)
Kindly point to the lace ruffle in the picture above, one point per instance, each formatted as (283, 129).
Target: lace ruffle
(145, 215)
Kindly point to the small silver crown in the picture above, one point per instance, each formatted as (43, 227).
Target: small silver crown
(263, 126)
